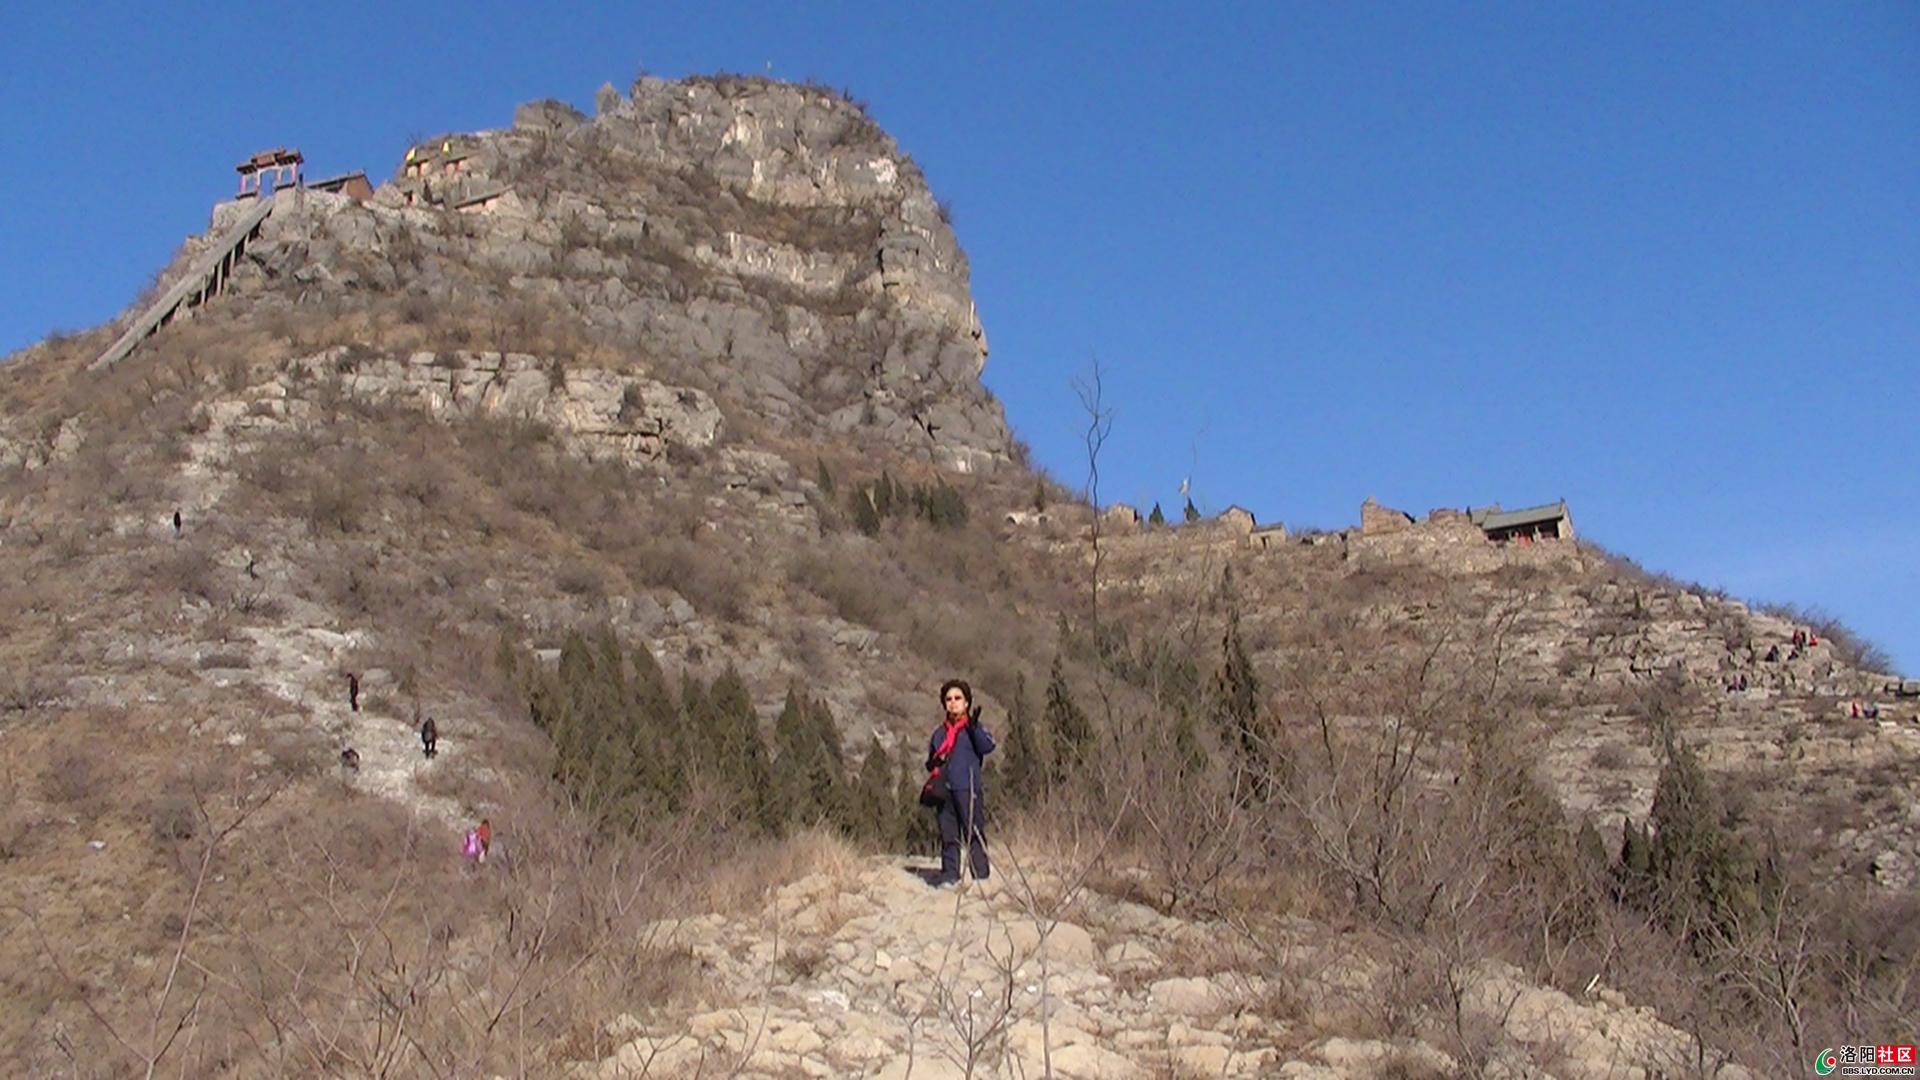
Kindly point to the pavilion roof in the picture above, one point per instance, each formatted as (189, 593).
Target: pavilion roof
(1492, 517)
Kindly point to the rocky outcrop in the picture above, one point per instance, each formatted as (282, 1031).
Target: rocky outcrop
(29, 451)
(763, 241)
(598, 414)
(860, 969)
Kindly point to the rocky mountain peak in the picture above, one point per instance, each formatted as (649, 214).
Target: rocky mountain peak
(760, 241)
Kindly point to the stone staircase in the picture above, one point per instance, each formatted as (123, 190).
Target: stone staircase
(202, 282)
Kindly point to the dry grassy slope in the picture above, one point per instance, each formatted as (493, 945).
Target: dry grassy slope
(1574, 652)
(333, 523)
(322, 534)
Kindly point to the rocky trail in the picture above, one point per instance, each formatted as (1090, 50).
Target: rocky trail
(861, 969)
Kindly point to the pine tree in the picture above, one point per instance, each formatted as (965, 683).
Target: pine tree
(698, 728)
(584, 711)
(808, 765)
(870, 815)
(946, 508)
(1191, 513)
(1068, 729)
(1236, 700)
(1705, 878)
(793, 762)
(822, 477)
(827, 734)
(1592, 849)
(866, 517)
(743, 764)
(658, 720)
(1156, 518)
(1026, 766)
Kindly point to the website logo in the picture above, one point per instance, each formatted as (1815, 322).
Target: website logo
(1826, 1062)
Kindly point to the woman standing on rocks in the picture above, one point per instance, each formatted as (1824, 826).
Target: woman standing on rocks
(957, 746)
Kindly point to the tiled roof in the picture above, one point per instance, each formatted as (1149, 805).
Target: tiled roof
(1492, 517)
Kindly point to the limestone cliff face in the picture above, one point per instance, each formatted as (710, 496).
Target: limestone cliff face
(761, 241)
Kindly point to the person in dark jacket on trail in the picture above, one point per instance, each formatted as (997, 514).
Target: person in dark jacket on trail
(429, 737)
(960, 742)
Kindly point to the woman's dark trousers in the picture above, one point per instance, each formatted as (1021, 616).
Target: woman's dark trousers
(960, 816)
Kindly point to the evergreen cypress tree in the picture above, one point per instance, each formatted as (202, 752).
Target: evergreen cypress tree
(1026, 764)
(946, 507)
(699, 733)
(743, 763)
(870, 814)
(1236, 700)
(792, 762)
(1592, 849)
(808, 765)
(555, 712)
(827, 733)
(883, 495)
(593, 757)
(1068, 729)
(657, 717)
(1633, 872)
(1156, 518)
(1705, 878)
(865, 517)
(822, 477)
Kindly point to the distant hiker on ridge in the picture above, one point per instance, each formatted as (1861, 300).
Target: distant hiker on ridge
(429, 737)
(353, 691)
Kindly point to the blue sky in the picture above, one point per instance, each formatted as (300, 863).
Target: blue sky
(1660, 260)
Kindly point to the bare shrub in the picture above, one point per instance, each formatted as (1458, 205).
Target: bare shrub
(706, 574)
(578, 579)
(189, 571)
(335, 505)
(80, 778)
(860, 590)
(1612, 757)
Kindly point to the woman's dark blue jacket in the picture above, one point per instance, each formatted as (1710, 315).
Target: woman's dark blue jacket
(963, 766)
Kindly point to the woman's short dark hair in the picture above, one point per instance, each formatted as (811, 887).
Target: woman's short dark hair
(960, 684)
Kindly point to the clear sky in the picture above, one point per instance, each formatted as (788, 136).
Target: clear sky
(1662, 260)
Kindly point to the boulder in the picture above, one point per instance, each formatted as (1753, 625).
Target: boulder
(548, 115)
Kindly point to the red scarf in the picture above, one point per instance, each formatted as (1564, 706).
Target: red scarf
(946, 744)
